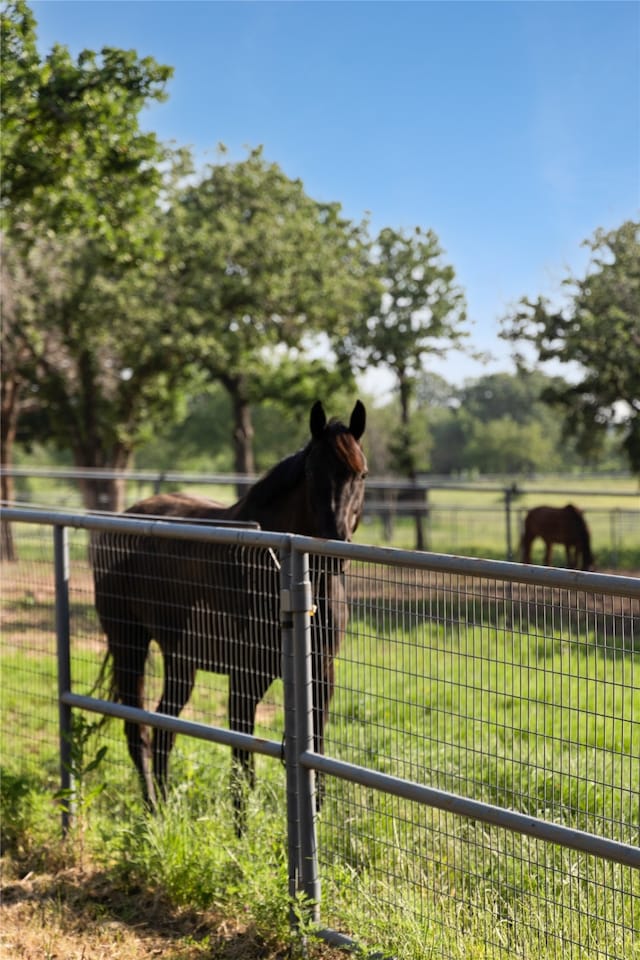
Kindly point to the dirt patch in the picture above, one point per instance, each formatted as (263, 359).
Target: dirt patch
(81, 915)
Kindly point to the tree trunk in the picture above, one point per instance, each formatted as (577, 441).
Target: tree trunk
(418, 516)
(103, 493)
(244, 462)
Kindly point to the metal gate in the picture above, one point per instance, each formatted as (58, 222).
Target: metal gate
(481, 764)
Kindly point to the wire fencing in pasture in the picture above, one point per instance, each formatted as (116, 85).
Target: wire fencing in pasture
(480, 768)
(473, 519)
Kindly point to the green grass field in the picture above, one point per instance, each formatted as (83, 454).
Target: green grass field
(517, 717)
(468, 522)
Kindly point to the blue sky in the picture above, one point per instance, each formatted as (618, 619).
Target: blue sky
(512, 129)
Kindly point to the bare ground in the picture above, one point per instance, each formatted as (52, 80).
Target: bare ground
(78, 914)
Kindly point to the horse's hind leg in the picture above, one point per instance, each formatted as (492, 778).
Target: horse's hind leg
(179, 677)
(246, 689)
(548, 547)
(128, 646)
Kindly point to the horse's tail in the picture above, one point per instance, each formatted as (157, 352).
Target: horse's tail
(583, 536)
(104, 687)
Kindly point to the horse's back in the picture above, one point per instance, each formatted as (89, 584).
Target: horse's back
(219, 600)
(137, 568)
(184, 506)
(545, 521)
(535, 519)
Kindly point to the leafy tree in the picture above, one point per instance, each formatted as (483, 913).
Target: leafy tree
(599, 331)
(433, 391)
(80, 211)
(199, 441)
(74, 157)
(421, 312)
(505, 446)
(517, 396)
(259, 269)
(449, 431)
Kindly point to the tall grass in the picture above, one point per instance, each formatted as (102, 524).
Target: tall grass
(517, 722)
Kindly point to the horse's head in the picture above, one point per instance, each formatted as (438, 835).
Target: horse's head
(335, 470)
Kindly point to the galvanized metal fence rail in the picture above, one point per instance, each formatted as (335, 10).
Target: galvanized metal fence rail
(481, 766)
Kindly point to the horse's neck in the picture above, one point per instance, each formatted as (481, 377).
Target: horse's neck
(285, 513)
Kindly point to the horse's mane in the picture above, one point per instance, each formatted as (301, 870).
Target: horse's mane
(286, 475)
(583, 533)
(281, 479)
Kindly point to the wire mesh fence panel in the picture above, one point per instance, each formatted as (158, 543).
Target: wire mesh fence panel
(162, 596)
(521, 696)
(509, 693)
(29, 723)
(209, 615)
(417, 882)
(624, 534)
(469, 531)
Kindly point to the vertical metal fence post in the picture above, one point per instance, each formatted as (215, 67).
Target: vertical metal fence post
(290, 739)
(61, 562)
(301, 604)
(157, 483)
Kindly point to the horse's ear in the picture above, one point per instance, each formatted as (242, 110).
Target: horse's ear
(317, 420)
(358, 420)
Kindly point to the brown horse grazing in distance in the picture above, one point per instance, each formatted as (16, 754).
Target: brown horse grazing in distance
(559, 525)
(217, 607)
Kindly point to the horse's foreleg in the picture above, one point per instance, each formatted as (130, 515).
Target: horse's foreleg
(548, 547)
(178, 686)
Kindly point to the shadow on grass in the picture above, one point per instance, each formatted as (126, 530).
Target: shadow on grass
(83, 907)
(611, 624)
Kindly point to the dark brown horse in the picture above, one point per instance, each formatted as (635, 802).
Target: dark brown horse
(564, 525)
(216, 607)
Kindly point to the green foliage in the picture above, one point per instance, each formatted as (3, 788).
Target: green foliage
(82, 191)
(501, 424)
(74, 159)
(421, 312)
(599, 330)
(15, 807)
(130, 288)
(79, 797)
(404, 878)
(409, 447)
(518, 396)
(449, 429)
(505, 446)
(261, 269)
(261, 262)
